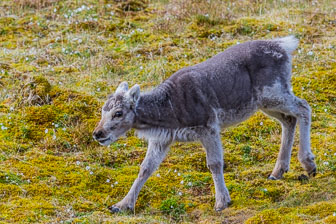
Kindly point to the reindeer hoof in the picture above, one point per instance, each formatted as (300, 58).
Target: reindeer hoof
(114, 209)
(220, 207)
(270, 177)
(312, 172)
(303, 178)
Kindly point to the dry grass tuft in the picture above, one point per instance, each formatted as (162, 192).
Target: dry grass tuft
(36, 4)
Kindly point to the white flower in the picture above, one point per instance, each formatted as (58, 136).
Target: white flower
(326, 163)
(116, 182)
(178, 174)
(171, 206)
(54, 137)
(189, 184)
(112, 185)
(27, 58)
(310, 53)
(158, 175)
(181, 182)
(78, 163)
(325, 154)
(55, 10)
(335, 154)
(11, 108)
(141, 67)
(334, 214)
(98, 89)
(175, 171)
(87, 167)
(180, 193)
(3, 128)
(46, 130)
(261, 123)
(238, 42)
(63, 129)
(56, 125)
(108, 181)
(265, 189)
(325, 110)
(91, 172)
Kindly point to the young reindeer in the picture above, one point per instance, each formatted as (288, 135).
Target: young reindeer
(197, 101)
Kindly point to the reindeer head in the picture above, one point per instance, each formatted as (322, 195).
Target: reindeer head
(117, 114)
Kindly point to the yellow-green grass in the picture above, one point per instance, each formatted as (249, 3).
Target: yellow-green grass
(59, 59)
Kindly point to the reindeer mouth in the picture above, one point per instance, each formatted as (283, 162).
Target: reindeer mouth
(102, 141)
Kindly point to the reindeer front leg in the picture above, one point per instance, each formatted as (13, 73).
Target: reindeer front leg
(214, 156)
(155, 154)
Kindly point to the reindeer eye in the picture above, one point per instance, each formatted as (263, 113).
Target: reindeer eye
(118, 114)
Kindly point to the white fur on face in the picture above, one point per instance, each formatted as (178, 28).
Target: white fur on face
(114, 127)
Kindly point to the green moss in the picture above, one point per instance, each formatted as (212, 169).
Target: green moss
(173, 207)
(274, 216)
(320, 211)
(26, 210)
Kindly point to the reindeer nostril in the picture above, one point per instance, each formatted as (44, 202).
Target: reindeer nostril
(98, 134)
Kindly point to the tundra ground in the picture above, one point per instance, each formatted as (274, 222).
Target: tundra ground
(59, 59)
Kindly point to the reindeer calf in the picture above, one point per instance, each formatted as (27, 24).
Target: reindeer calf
(197, 101)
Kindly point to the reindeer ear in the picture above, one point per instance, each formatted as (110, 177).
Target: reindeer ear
(122, 88)
(133, 94)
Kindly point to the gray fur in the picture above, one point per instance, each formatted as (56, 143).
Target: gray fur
(197, 101)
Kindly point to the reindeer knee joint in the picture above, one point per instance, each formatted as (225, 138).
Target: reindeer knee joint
(216, 167)
(144, 171)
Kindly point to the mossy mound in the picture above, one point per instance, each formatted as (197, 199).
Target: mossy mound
(36, 91)
(323, 212)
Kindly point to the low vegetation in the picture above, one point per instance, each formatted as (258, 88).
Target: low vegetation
(59, 59)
